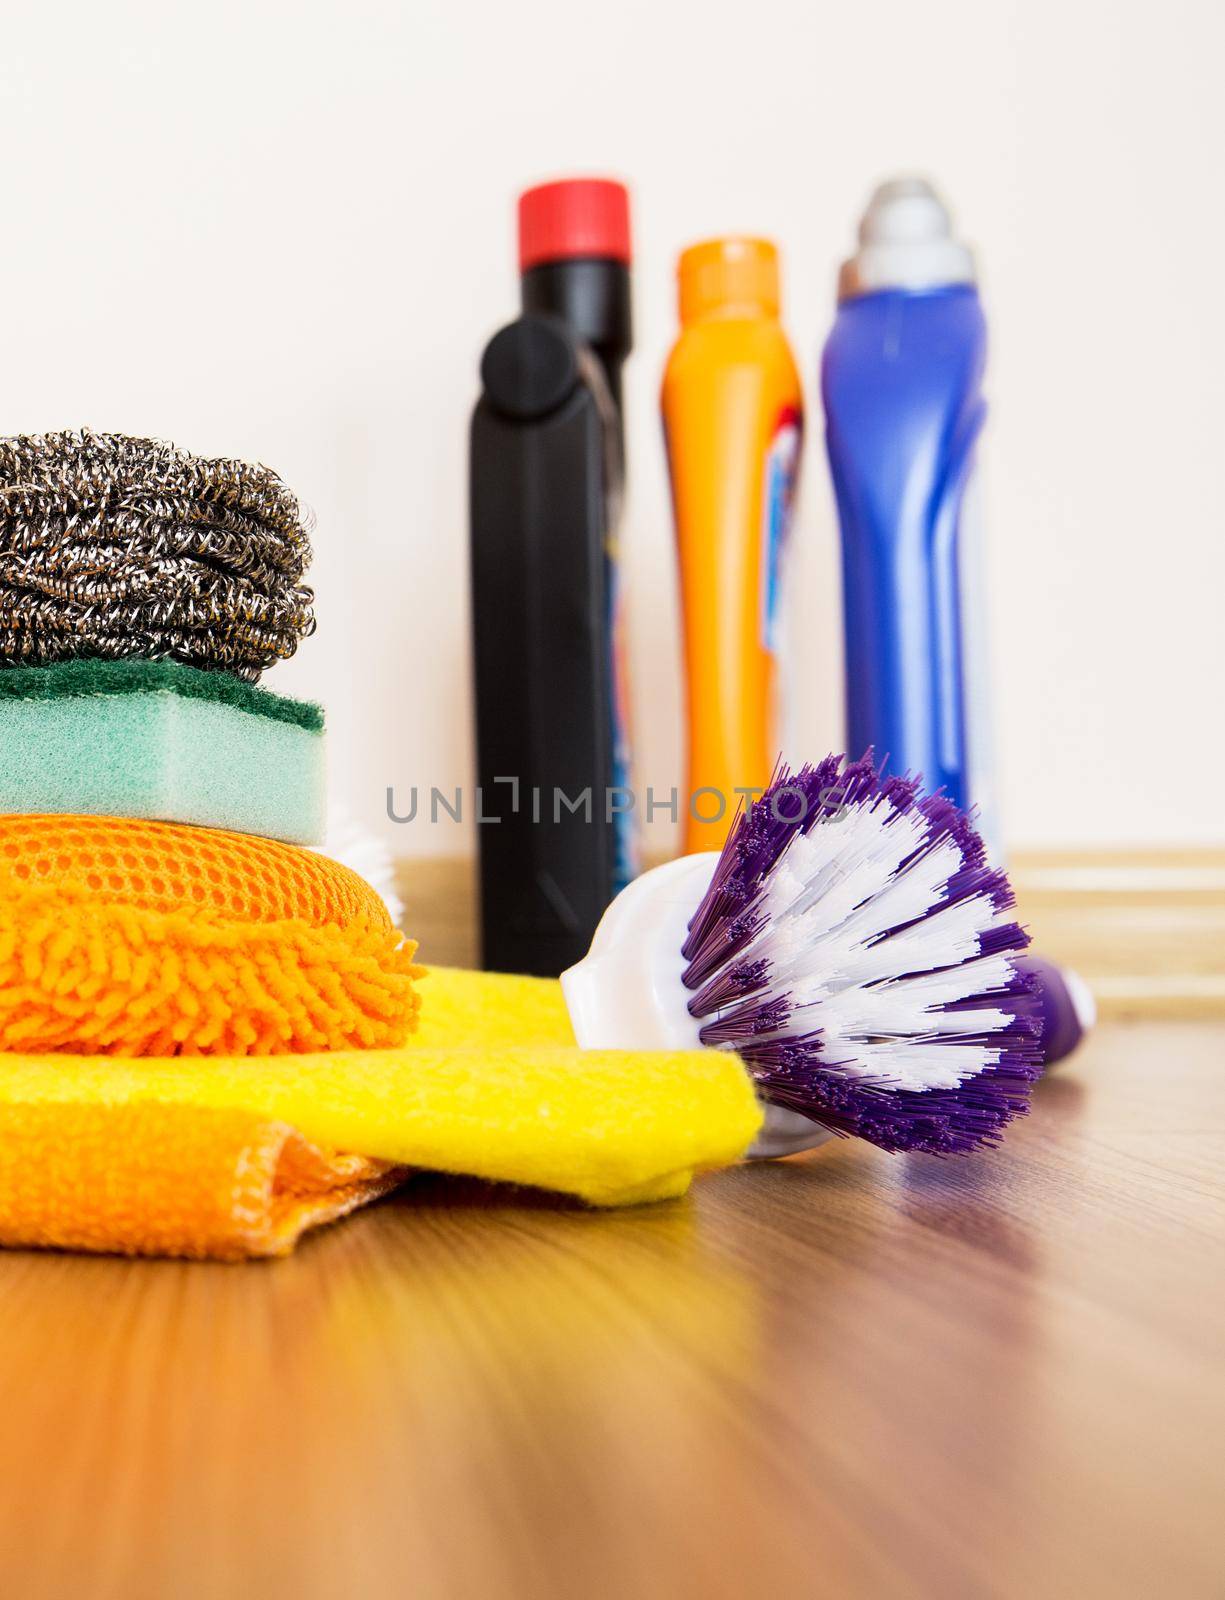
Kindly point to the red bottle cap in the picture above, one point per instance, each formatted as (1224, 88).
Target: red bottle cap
(575, 217)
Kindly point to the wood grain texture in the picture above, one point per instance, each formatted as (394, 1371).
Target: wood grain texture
(844, 1374)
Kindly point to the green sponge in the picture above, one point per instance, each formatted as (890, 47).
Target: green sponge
(162, 741)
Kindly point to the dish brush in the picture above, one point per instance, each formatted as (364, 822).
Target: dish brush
(852, 944)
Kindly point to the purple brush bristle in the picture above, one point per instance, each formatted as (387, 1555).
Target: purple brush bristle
(854, 948)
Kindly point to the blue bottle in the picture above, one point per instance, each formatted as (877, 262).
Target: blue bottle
(902, 384)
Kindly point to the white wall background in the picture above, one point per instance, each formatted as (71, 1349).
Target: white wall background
(284, 230)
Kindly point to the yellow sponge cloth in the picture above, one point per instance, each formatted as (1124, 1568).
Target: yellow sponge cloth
(492, 1085)
(472, 1010)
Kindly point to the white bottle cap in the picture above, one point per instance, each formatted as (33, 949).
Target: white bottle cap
(905, 242)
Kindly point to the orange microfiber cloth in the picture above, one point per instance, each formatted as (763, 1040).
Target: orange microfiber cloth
(172, 1180)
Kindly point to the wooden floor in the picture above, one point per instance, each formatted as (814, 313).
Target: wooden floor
(842, 1375)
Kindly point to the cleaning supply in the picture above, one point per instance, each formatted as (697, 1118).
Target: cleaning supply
(126, 938)
(902, 382)
(558, 836)
(733, 417)
(115, 546)
(851, 944)
(170, 1180)
(160, 740)
(494, 1088)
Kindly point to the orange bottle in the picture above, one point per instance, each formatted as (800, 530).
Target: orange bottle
(733, 416)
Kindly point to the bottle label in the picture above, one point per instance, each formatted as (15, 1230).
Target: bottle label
(625, 828)
(778, 501)
(626, 864)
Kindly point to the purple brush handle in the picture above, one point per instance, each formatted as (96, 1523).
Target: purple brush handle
(1062, 1005)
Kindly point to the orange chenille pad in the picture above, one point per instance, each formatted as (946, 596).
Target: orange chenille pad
(135, 938)
(219, 1184)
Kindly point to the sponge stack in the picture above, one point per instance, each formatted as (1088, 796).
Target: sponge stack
(154, 898)
(143, 591)
(203, 1024)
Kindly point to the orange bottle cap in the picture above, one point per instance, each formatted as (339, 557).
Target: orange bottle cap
(725, 275)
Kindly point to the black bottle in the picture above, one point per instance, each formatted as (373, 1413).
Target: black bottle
(545, 491)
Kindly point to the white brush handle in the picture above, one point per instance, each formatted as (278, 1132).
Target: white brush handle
(627, 993)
